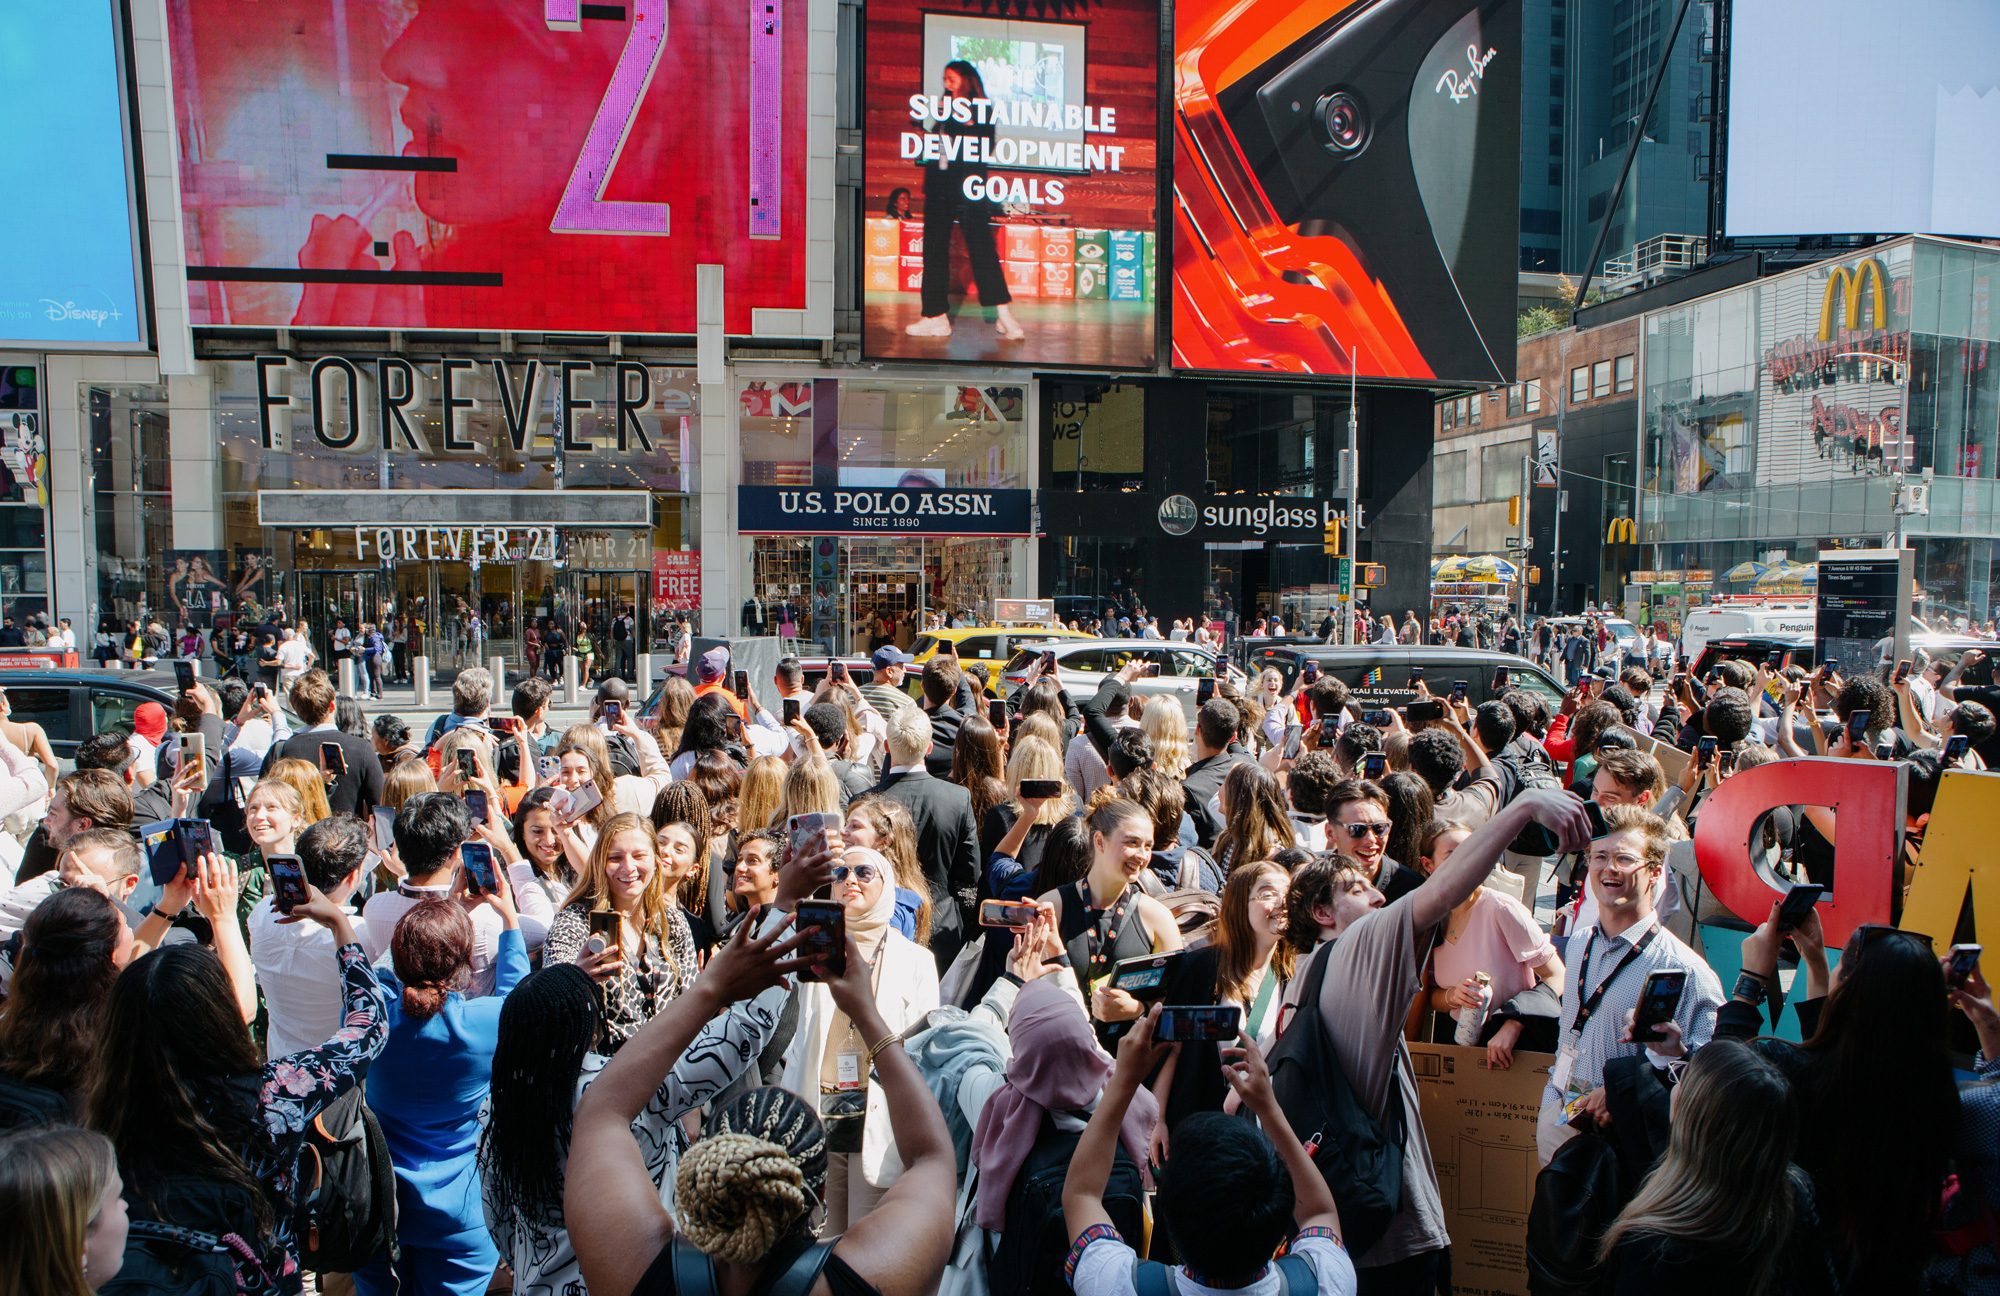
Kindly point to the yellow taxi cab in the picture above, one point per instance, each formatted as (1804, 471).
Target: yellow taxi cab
(990, 644)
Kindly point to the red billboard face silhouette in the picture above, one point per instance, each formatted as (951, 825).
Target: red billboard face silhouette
(572, 170)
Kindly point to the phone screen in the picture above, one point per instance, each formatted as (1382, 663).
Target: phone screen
(184, 675)
(1190, 1024)
(1595, 813)
(791, 710)
(1964, 962)
(476, 805)
(1374, 765)
(1204, 691)
(741, 686)
(1006, 913)
(1329, 729)
(614, 713)
(477, 857)
(1955, 748)
(823, 924)
(1902, 670)
(1048, 661)
(996, 712)
(1857, 725)
(1416, 673)
(1041, 789)
(196, 838)
(1501, 674)
(1380, 719)
(333, 758)
(385, 827)
(288, 882)
(837, 672)
(1657, 1003)
(468, 764)
(1420, 711)
(1704, 752)
(1458, 691)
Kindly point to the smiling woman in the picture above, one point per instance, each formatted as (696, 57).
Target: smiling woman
(1107, 917)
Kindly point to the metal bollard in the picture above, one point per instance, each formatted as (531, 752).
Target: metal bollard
(345, 686)
(497, 667)
(569, 679)
(644, 688)
(202, 666)
(420, 675)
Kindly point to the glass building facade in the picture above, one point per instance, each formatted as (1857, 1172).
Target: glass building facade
(1776, 418)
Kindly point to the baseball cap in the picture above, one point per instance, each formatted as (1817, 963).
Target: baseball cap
(714, 664)
(150, 720)
(887, 656)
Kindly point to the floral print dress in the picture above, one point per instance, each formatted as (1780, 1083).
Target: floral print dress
(296, 1088)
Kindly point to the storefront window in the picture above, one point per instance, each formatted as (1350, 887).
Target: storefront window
(24, 485)
(131, 501)
(1097, 436)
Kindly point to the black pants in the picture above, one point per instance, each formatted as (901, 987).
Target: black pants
(941, 210)
(1420, 1275)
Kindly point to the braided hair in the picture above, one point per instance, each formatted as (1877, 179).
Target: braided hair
(546, 1026)
(751, 1183)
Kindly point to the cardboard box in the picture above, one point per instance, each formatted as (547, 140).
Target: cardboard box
(882, 237)
(1093, 264)
(1058, 245)
(1024, 278)
(1058, 279)
(1127, 277)
(880, 274)
(912, 274)
(1021, 243)
(910, 238)
(1481, 1128)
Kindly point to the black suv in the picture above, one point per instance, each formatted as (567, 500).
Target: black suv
(71, 705)
(1379, 675)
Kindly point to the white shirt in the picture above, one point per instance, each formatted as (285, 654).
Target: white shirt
(1105, 1269)
(292, 657)
(65, 639)
(386, 908)
(300, 978)
(341, 639)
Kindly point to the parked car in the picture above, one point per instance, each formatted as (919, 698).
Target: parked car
(994, 644)
(1082, 664)
(71, 705)
(1380, 675)
(1793, 650)
(1734, 620)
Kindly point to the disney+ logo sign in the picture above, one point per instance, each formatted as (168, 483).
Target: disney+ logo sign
(64, 311)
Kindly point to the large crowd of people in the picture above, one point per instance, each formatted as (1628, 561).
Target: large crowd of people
(905, 984)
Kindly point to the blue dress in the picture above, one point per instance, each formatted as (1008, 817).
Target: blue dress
(427, 1088)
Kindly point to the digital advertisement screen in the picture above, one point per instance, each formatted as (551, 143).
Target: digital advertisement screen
(1347, 187)
(490, 164)
(1010, 173)
(68, 276)
(1845, 120)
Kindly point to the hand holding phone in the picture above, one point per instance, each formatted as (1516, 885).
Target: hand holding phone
(837, 672)
(790, 708)
(1704, 752)
(614, 713)
(1015, 915)
(1659, 1000)
(184, 675)
(334, 761)
(1798, 902)
(1955, 748)
(288, 882)
(1374, 765)
(476, 857)
(822, 925)
(1964, 961)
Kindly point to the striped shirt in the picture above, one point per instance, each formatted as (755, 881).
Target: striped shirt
(885, 698)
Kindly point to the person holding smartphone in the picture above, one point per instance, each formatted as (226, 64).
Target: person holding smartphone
(357, 790)
(830, 1054)
(427, 1088)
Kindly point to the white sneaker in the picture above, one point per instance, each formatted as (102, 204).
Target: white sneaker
(931, 326)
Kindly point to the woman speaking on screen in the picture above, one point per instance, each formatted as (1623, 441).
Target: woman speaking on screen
(945, 203)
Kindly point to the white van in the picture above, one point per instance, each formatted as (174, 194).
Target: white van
(1703, 624)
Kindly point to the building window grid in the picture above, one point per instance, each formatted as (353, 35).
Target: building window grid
(1600, 379)
(1579, 383)
(1622, 370)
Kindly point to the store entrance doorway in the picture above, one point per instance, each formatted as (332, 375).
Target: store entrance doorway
(603, 601)
(888, 607)
(327, 599)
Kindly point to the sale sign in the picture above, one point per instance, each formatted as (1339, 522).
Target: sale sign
(490, 164)
(676, 581)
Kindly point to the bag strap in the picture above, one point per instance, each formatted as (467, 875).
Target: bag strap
(799, 1276)
(694, 1272)
(1296, 1277)
(1151, 1278)
(174, 1235)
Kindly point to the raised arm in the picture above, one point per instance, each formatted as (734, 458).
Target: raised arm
(1243, 1067)
(1458, 877)
(1090, 1162)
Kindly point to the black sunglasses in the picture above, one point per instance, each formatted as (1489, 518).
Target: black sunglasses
(1359, 830)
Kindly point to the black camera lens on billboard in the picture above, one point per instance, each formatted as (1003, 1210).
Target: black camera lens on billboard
(1344, 122)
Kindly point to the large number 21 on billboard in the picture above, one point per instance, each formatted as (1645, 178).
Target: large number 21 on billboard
(516, 165)
(1347, 186)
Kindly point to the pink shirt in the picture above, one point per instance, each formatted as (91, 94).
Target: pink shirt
(1501, 939)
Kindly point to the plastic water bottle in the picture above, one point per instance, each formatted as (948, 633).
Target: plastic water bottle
(1472, 1020)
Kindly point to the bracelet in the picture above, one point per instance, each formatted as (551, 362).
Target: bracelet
(877, 1050)
(1750, 986)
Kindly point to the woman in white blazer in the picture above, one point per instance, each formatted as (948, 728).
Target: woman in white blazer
(828, 1061)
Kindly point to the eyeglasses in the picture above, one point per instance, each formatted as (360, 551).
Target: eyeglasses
(862, 873)
(1359, 830)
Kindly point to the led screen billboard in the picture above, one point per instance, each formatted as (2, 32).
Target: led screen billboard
(1010, 183)
(69, 277)
(1817, 86)
(1347, 183)
(519, 165)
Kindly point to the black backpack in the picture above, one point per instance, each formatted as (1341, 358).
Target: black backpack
(1577, 1195)
(1360, 1158)
(344, 1202)
(207, 1249)
(26, 1105)
(1529, 771)
(1028, 1261)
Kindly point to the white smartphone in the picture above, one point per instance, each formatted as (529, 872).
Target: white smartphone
(193, 747)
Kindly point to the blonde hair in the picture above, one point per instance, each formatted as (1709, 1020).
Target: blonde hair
(1032, 758)
(909, 735)
(51, 1182)
(809, 786)
(762, 793)
(1165, 724)
(896, 841)
(449, 745)
(593, 885)
(1038, 724)
(588, 741)
(404, 780)
(299, 786)
(737, 1196)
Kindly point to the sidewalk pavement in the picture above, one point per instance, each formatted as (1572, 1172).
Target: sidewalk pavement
(401, 700)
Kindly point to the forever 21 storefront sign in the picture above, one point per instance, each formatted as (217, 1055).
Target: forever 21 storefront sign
(828, 510)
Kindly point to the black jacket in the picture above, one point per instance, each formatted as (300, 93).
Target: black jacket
(1203, 781)
(359, 790)
(948, 849)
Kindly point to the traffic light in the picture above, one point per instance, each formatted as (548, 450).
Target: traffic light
(1534, 575)
(1373, 576)
(1513, 510)
(1331, 543)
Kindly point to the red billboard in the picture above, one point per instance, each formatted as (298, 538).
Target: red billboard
(502, 165)
(1347, 186)
(676, 581)
(1010, 183)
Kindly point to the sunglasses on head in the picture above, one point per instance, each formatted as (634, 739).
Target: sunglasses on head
(863, 873)
(1359, 830)
(1871, 932)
